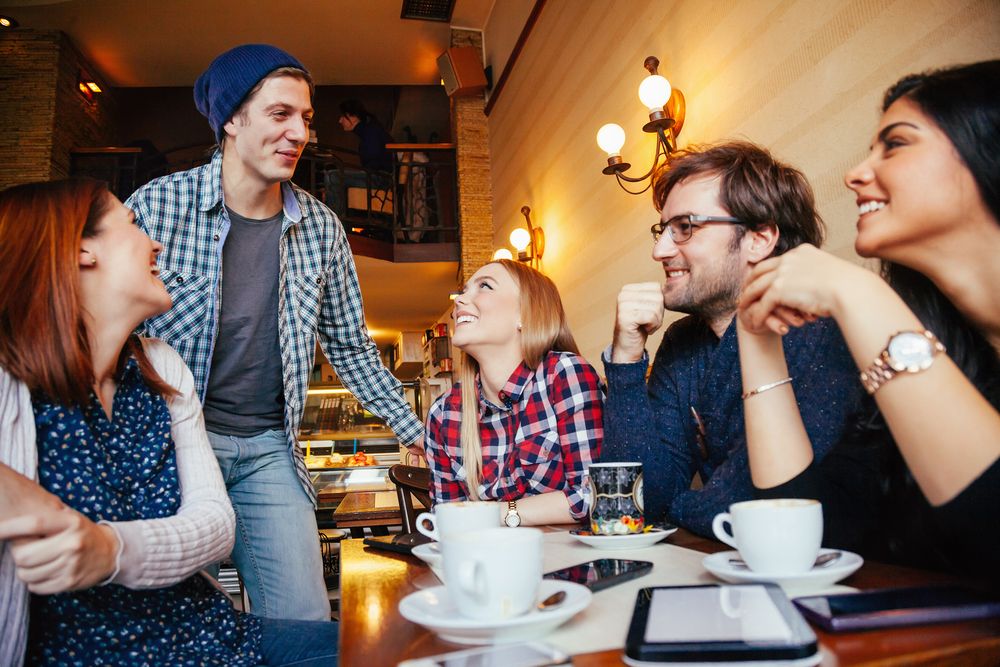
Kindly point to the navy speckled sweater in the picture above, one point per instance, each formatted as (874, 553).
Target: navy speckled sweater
(693, 368)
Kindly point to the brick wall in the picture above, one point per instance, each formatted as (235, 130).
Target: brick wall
(29, 61)
(42, 115)
(472, 158)
(79, 123)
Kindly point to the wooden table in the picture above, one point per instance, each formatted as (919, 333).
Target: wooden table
(357, 511)
(373, 633)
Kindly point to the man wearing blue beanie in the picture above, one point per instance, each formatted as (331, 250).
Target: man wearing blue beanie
(258, 269)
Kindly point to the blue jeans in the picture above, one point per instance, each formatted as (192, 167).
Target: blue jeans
(299, 643)
(277, 545)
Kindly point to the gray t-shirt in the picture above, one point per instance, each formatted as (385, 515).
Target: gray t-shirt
(245, 394)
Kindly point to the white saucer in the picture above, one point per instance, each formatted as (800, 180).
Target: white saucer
(633, 541)
(827, 575)
(429, 553)
(433, 609)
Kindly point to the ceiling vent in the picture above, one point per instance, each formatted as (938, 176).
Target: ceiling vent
(427, 10)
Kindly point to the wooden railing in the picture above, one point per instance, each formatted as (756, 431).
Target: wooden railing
(408, 215)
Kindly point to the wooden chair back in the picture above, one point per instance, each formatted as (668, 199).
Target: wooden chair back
(411, 482)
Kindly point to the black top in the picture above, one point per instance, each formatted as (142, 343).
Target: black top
(872, 505)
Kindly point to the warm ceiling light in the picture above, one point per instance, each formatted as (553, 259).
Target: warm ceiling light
(520, 238)
(611, 138)
(654, 91)
(529, 243)
(87, 86)
(7, 22)
(666, 117)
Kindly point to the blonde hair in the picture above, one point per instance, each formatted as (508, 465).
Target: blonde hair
(543, 329)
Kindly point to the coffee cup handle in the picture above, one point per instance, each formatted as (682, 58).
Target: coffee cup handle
(431, 532)
(726, 602)
(470, 579)
(718, 527)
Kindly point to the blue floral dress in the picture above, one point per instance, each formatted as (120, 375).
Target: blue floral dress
(122, 470)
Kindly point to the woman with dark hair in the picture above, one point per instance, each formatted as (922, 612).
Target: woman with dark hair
(526, 418)
(918, 480)
(129, 502)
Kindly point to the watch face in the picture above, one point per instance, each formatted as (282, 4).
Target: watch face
(910, 351)
(513, 520)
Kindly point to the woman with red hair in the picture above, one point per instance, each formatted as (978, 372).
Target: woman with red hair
(99, 557)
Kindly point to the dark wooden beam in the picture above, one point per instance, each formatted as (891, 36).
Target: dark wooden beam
(522, 38)
(403, 252)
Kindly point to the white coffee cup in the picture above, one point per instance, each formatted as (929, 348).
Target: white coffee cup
(493, 574)
(458, 517)
(774, 537)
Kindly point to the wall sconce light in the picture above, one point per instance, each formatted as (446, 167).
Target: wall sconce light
(666, 118)
(87, 86)
(8, 22)
(529, 243)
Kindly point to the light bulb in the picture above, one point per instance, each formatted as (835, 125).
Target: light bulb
(520, 238)
(654, 91)
(502, 253)
(611, 138)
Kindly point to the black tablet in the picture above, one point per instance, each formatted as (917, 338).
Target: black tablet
(718, 623)
(890, 607)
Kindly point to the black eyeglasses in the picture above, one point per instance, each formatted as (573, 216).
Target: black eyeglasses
(682, 227)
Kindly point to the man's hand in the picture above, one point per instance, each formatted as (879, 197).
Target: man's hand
(639, 314)
(415, 449)
(60, 550)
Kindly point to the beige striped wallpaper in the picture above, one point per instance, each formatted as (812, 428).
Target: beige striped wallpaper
(803, 77)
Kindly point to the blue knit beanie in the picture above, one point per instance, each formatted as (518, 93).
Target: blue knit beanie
(221, 89)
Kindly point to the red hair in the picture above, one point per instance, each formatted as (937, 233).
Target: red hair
(43, 338)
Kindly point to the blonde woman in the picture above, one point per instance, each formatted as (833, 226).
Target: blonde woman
(526, 418)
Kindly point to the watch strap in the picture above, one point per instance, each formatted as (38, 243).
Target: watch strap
(512, 519)
(882, 370)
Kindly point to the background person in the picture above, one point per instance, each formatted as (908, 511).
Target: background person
(129, 503)
(376, 159)
(525, 420)
(918, 481)
(723, 209)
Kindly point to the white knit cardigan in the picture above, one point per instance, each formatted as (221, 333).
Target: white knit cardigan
(155, 552)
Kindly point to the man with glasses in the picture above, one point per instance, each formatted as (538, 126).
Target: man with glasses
(723, 209)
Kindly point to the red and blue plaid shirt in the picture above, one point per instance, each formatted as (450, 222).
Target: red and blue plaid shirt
(543, 437)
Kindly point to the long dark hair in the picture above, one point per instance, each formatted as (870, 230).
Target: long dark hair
(963, 103)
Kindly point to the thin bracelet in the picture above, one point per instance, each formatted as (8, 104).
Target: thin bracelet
(765, 387)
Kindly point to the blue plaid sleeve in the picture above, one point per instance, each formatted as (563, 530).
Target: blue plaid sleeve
(344, 339)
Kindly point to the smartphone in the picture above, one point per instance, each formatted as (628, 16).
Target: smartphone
(502, 655)
(603, 572)
(402, 543)
(897, 606)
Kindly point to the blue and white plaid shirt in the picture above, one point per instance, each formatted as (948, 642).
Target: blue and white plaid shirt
(318, 294)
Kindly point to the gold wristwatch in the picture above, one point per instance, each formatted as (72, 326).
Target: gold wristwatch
(512, 519)
(906, 352)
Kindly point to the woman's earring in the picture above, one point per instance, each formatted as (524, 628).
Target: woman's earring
(518, 327)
